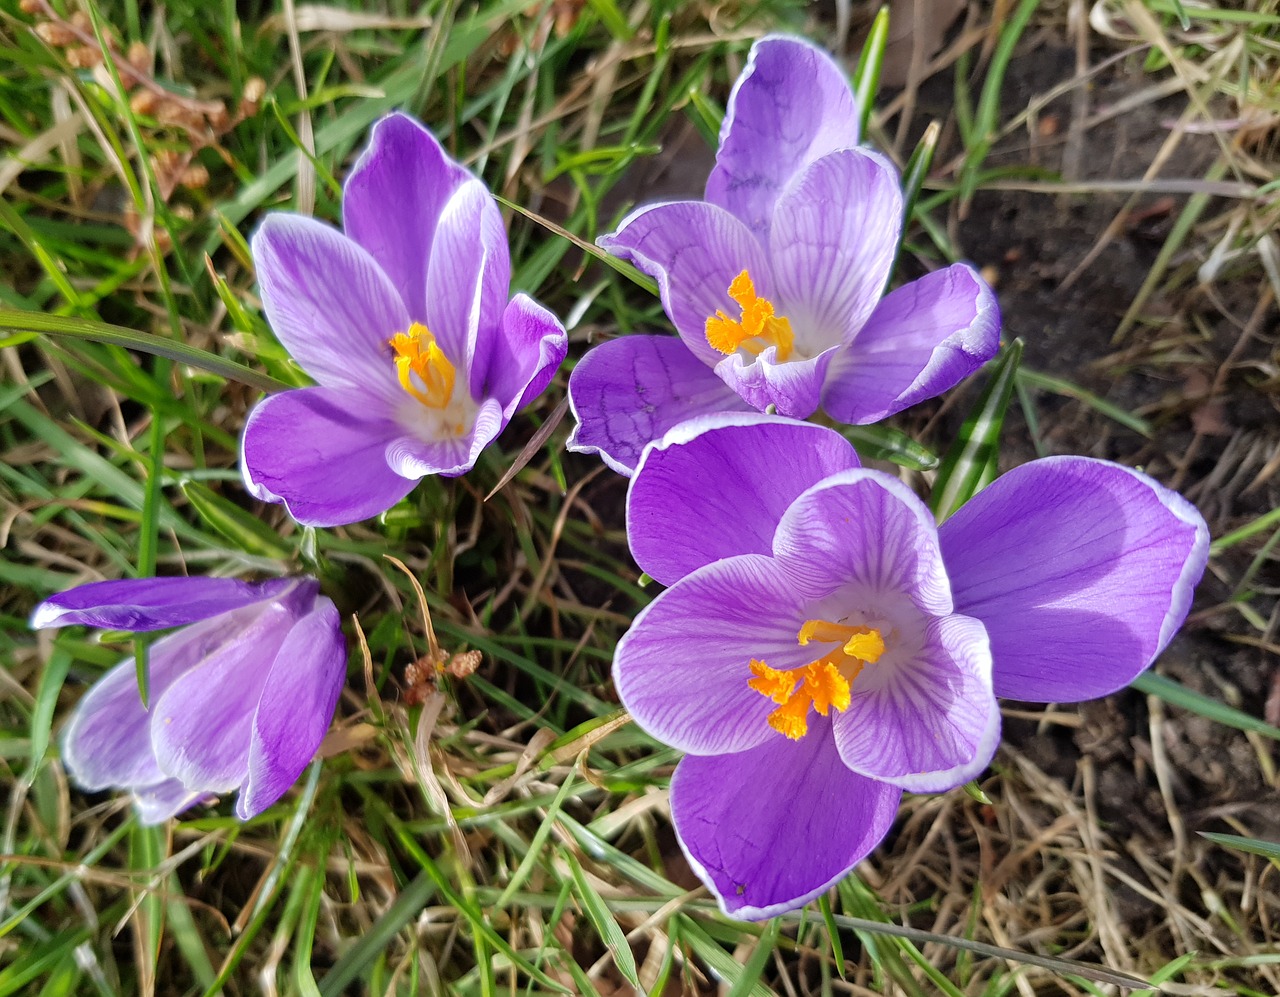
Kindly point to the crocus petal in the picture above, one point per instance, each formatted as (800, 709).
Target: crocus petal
(927, 723)
(835, 235)
(694, 250)
(467, 282)
(156, 804)
(524, 355)
(711, 488)
(1080, 569)
(684, 666)
(329, 304)
(922, 339)
(859, 533)
(295, 708)
(629, 391)
(392, 198)
(107, 741)
(772, 828)
(201, 725)
(322, 452)
(141, 604)
(793, 389)
(448, 456)
(791, 105)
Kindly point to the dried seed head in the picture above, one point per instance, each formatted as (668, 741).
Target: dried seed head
(143, 102)
(31, 6)
(84, 57)
(81, 22)
(194, 177)
(57, 35)
(139, 57)
(255, 88)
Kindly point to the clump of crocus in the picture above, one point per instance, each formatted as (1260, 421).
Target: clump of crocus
(240, 698)
(406, 322)
(824, 645)
(774, 281)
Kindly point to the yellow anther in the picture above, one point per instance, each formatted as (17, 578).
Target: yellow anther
(417, 354)
(770, 682)
(823, 683)
(756, 330)
(865, 647)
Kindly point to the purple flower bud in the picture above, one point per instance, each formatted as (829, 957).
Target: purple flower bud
(240, 697)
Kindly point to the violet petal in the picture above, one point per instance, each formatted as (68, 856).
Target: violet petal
(295, 708)
(329, 304)
(429, 451)
(791, 105)
(711, 488)
(392, 199)
(772, 828)
(323, 453)
(629, 391)
(142, 604)
(928, 722)
(468, 282)
(834, 239)
(694, 250)
(1080, 569)
(201, 725)
(922, 339)
(524, 355)
(684, 666)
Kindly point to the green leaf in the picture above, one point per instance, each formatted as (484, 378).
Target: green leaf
(970, 463)
(866, 77)
(1176, 694)
(1267, 849)
(241, 527)
(67, 327)
(607, 927)
(881, 442)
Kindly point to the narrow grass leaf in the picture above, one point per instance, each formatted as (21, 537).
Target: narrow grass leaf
(1067, 389)
(610, 932)
(970, 463)
(712, 953)
(1176, 694)
(69, 327)
(866, 77)
(883, 442)
(242, 528)
(753, 968)
(51, 680)
(373, 942)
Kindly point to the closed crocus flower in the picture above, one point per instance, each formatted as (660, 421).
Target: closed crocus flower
(406, 322)
(774, 281)
(823, 645)
(240, 697)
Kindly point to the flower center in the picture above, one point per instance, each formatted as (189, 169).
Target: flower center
(757, 329)
(424, 371)
(821, 684)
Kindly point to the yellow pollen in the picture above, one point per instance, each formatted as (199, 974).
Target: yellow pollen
(757, 329)
(823, 683)
(416, 352)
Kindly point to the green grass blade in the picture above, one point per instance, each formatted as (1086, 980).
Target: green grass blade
(866, 77)
(68, 327)
(970, 463)
(607, 927)
(1176, 694)
(1267, 849)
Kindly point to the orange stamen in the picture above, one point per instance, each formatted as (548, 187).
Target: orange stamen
(416, 353)
(757, 329)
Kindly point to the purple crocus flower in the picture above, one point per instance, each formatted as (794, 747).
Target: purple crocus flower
(240, 697)
(406, 322)
(823, 645)
(774, 281)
